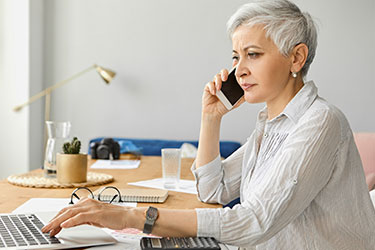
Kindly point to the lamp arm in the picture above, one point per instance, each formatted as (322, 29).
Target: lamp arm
(53, 87)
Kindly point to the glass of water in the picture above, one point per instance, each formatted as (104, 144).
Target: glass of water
(58, 134)
(171, 166)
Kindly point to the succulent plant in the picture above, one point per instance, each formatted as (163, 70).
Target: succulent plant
(72, 147)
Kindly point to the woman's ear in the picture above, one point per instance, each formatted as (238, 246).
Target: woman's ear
(299, 56)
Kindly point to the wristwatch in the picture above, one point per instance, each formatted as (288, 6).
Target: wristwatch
(151, 216)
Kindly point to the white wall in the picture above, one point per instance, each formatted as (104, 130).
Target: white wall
(14, 86)
(21, 68)
(165, 51)
(344, 68)
(36, 84)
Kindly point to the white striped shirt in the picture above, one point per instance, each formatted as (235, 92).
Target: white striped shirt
(300, 180)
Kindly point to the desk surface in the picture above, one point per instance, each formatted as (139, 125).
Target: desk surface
(12, 196)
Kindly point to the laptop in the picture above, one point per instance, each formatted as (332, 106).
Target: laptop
(23, 231)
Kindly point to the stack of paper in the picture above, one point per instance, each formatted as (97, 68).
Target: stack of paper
(185, 186)
(116, 164)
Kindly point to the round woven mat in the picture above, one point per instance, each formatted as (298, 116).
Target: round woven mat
(38, 180)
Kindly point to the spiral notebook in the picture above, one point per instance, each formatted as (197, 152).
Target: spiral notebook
(135, 195)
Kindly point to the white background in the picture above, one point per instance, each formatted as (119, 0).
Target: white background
(164, 52)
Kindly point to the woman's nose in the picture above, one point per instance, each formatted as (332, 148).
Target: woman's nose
(241, 70)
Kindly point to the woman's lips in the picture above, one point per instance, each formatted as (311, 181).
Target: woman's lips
(246, 86)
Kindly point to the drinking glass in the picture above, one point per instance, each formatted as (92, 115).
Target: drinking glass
(58, 134)
(171, 166)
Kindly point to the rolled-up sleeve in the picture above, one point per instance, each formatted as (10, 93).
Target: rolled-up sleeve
(219, 181)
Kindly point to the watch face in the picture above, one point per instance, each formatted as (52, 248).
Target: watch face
(152, 213)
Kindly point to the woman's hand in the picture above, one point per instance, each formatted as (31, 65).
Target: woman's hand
(210, 102)
(91, 212)
(212, 112)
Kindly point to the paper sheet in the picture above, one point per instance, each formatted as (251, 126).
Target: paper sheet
(127, 234)
(184, 186)
(51, 204)
(42, 205)
(116, 164)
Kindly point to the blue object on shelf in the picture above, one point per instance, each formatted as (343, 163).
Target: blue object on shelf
(153, 147)
(127, 146)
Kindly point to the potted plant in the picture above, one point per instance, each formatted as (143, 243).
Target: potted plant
(71, 165)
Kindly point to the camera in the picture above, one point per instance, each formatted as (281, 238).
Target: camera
(106, 149)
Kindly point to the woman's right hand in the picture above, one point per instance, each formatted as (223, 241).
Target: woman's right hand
(212, 112)
(91, 212)
(211, 104)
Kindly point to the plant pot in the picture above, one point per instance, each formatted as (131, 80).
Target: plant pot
(71, 168)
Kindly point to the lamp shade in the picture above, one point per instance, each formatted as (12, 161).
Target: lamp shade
(106, 74)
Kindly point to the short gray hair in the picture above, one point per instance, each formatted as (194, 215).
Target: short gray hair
(283, 22)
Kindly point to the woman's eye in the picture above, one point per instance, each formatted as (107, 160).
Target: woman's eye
(235, 58)
(253, 55)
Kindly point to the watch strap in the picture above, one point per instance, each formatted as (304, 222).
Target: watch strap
(148, 227)
(151, 216)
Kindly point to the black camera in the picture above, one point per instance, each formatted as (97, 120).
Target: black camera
(104, 149)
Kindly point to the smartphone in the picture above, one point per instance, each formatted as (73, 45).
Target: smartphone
(230, 92)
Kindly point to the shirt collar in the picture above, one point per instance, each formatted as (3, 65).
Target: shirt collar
(301, 101)
(261, 120)
(297, 106)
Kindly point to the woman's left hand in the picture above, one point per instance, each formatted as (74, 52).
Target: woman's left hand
(91, 212)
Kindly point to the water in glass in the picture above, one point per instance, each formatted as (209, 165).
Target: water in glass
(58, 134)
(171, 166)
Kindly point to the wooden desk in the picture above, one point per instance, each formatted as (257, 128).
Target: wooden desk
(12, 196)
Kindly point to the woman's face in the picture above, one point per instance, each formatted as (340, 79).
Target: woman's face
(262, 71)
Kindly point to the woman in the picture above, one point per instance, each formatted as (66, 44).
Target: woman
(299, 175)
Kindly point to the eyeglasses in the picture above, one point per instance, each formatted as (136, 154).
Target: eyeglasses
(107, 194)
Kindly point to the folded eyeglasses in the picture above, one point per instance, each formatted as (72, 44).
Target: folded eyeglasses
(107, 194)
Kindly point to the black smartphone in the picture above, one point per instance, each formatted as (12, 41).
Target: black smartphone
(230, 92)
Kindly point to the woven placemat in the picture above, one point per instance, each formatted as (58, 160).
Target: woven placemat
(37, 180)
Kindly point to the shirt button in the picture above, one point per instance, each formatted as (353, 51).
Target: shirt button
(265, 134)
(295, 182)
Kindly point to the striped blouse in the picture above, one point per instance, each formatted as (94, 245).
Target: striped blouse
(300, 180)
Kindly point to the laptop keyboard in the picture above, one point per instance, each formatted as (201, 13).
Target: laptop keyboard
(23, 230)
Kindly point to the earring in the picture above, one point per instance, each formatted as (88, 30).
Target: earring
(294, 74)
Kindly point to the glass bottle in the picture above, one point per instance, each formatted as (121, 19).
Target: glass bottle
(58, 134)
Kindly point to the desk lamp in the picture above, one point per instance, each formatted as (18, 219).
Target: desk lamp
(106, 74)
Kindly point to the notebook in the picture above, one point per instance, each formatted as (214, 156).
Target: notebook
(135, 195)
(23, 231)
